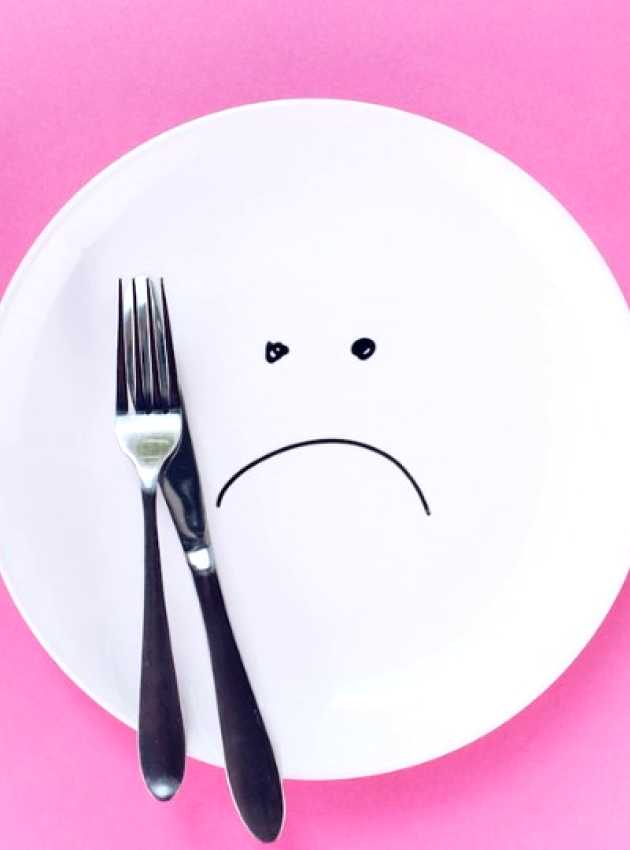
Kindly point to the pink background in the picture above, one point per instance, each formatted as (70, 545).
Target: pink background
(547, 84)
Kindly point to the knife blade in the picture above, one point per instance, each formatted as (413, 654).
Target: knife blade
(250, 763)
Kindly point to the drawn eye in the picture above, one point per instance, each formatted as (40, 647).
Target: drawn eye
(363, 348)
(274, 351)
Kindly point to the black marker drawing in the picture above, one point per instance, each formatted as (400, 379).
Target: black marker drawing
(328, 440)
(274, 351)
(363, 347)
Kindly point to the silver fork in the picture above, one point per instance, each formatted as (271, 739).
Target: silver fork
(149, 428)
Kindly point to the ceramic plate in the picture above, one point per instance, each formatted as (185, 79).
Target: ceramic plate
(396, 595)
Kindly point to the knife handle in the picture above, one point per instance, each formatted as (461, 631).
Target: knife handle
(249, 760)
(160, 727)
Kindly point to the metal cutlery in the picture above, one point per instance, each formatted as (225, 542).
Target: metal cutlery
(249, 760)
(251, 768)
(149, 428)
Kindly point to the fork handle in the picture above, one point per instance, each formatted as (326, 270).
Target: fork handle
(249, 760)
(160, 727)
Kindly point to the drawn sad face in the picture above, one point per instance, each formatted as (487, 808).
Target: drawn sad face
(362, 348)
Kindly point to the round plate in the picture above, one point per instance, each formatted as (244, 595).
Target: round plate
(438, 306)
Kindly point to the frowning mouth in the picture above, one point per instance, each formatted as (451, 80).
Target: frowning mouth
(317, 442)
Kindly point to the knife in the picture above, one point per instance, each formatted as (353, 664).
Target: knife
(250, 764)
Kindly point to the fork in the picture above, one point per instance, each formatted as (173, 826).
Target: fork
(149, 428)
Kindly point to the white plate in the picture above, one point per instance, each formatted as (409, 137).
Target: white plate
(376, 636)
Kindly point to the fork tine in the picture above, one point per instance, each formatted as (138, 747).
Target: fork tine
(144, 328)
(160, 402)
(160, 342)
(129, 335)
(140, 401)
(173, 385)
(121, 370)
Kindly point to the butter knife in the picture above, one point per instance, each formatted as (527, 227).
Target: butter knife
(250, 764)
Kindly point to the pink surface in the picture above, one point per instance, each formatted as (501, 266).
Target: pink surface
(546, 84)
